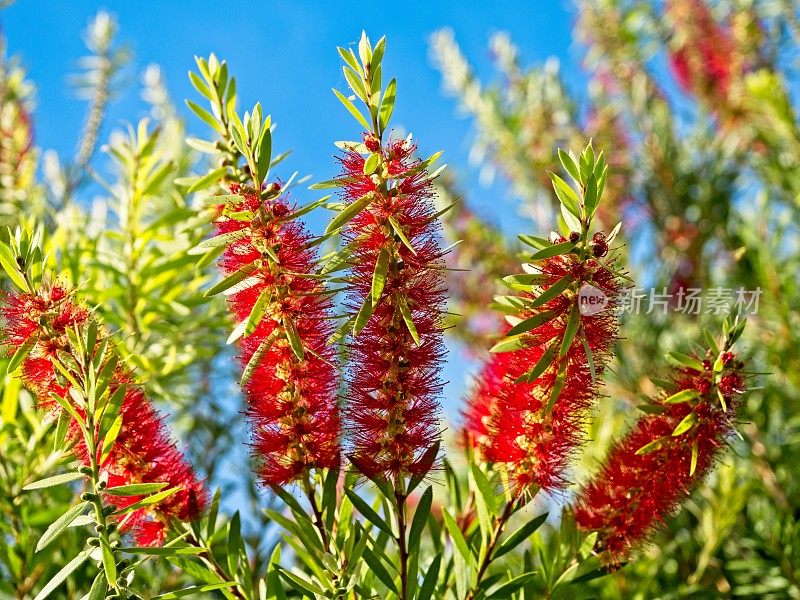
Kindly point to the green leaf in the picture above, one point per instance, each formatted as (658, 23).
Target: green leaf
(591, 197)
(369, 514)
(377, 568)
(387, 104)
(573, 323)
(60, 524)
(682, 396)
(353, 110)
(509, 344)
(207, 180)
(194, 590)
(109, 563)
(485, 488)
(711, 341)
(226, 199)
(99, 587)
(569, 165)
(350, 59)
(589, 356)
(684, 360)
(54, 480)
(558, 386)
(111, 436)
(532, 322)
(421, 514)
(264, 153)
(533, 241)
(135, 489)
(231, 280)
(257, 357)
(545, 360)
(566, 195)
(200, 85)
(62, 575)
(111, 411)
(234, 542)
(507, 589)
(379, 276)
(206, 117)
(685, 425)
(355, 83)
(553, 250)
(458, 537)
(405, 311)
(22, 353)
(224, 239)
(300, 582)
(258, 311)
(656, 444)
(553, 291)
(525, 281)
(331, 183)
(348, 212)
(9, 263)
(431, 577)
(362, 318)
(520, 535)
(695, 453)
(371, 163)
(293, 336)
(401, 234)
(149, 501)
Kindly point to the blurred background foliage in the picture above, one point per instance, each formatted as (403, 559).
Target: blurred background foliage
(696, 106)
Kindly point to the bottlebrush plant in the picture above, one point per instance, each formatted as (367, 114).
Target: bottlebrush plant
(360, 487)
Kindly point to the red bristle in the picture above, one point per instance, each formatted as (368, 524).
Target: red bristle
(291, 403)
(636, 490)
(507, 419)
(142, 452)
(394, 385)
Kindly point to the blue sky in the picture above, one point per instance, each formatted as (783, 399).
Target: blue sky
(284, 54)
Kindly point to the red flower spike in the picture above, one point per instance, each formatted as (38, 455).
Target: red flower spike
(649, 473)
(291, 403)
(507, 419)
(705, 59)
(142, 452)
(392, 396)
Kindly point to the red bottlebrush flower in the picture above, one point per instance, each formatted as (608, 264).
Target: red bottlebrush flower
(651, 471)
(393, 390)
(507, 415)
(292, 403)
(142, 451)
(703, 60)
(482, 402)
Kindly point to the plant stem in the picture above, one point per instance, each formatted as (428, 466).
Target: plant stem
(89, 432)
(400, 500)
(499, 524)
(318, 520)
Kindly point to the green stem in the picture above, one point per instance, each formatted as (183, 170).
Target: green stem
(400, 503)
(101, 520)
(499, 525)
